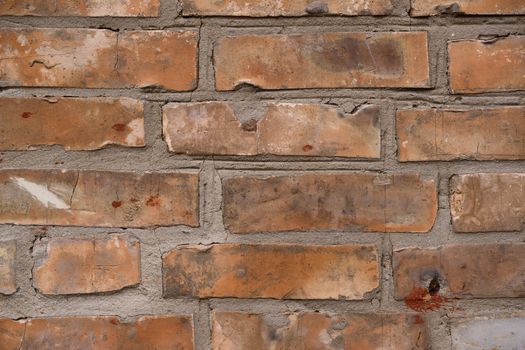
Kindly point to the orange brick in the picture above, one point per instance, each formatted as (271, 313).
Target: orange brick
(88, 8)
(324, 201)
(240, 331)
(460, 271)
(323, 60)
(98, 333)
(477, 66)
(487, 202)
(98, 198)
(257, 8)
(480, 134)
(285, 129)
(92, 58)
(7, 267)
(82, 266)
(282, 271)
(480, 7)
(80, 124)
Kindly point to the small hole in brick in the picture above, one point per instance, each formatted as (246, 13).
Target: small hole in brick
(433, 286)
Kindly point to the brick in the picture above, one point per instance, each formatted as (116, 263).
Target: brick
(86, 8)
(478, 66)
(322, 201)
(7, 267)
(75, 123)
(469, 7)
(495, 332)
(312, 330)
(98, 198)
(284, 129)
(461, 271)
(82, 266)
(98, 333)
(480, 134)
(93, 58)
(487, 202)
(323, 60)
(257, 8)
(278, 271)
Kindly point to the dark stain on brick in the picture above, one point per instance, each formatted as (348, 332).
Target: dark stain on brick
(308, 148)
(153, 201)
(119, 127)
(27, 115)
(116, 204)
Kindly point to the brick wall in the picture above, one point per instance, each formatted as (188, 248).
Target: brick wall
(247, 174)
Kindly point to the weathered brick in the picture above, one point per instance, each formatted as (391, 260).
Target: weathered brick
(93, 58)
(478, 66)
(81, 265)
(321, 201)
(274, 8)
(460, 271)
(487, 202)
(479, 7)
(240, 331)
(87, 8)
(282, 271)
(286, 129)
(323, 60)
(98, 198)
(7, 267)
(480, 134)
(98, 333)
(75, 123)
(495, 332)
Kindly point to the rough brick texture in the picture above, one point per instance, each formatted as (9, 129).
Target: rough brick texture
(82, 266)
(326, 60)
(354, 201)
(272, 271)
(262, 174)
(97, 333)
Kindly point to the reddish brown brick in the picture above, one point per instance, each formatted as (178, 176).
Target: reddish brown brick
(98, 333)
(81, 265)
(323, 60)
(240, 331)
(286, 129)
(257, 8)
(480, 7)
(487, 202)
(92, 58)
(478, 66)
(98, 198)
(461, 271)
(80, 124)
(7, 267)
(481, 134)
(88, 8)
(324, 201)
(282, 271)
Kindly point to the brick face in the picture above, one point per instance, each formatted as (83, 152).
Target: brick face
(213, 128)
(443, 134)
(359, 201)
(462, 271)
(327, 60)
(480, 7)
(104, 199)
(239, 331)
(98, 333)
(345, 272)
(82, 266)
(7, 267)
(487, 202)
(256, 8)
(98, 58)
(82, 124)
(92, 8)
(477, 66)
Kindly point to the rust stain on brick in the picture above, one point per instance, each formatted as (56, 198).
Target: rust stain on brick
(153, 201)
(420, 299)
(116, 204)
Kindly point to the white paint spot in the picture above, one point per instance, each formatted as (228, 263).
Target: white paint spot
(41, 193)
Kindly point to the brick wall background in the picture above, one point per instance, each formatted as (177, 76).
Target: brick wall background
(262, 174)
